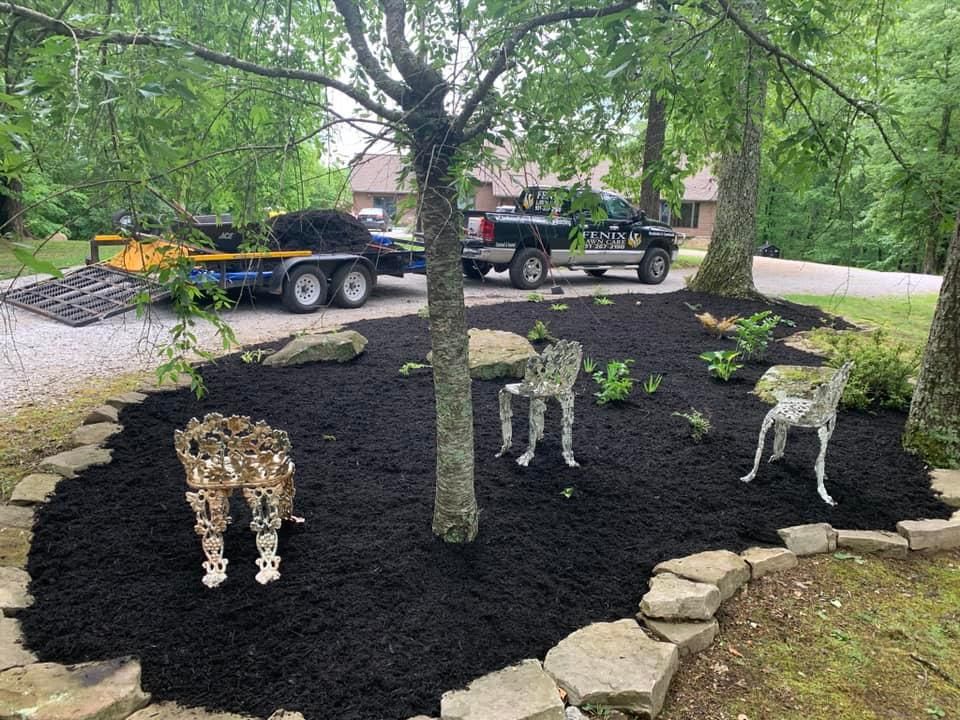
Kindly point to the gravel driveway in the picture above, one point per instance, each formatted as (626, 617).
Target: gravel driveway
(41, 359)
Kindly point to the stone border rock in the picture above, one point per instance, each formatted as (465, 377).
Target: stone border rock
(625, 665)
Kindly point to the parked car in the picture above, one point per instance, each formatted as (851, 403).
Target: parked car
(374, 219)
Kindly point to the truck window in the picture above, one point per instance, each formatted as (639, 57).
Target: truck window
(618, 208)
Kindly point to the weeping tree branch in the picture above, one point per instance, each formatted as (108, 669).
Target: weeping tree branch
(862, 106)
(504, 55)
(60, 27)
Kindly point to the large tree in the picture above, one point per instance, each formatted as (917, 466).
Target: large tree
(434, 86)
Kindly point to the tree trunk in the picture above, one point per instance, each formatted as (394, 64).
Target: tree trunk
(933, 426)
(727, 268)
(11, 208)
(455, 505)
(653, 155)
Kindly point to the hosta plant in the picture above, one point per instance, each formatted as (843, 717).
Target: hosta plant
(721, 364)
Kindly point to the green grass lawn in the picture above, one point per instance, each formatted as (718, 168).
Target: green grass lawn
(689, 259)
(60, 253)
(905, 320)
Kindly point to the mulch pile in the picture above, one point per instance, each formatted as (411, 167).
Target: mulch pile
(322, 231)
(375, 618)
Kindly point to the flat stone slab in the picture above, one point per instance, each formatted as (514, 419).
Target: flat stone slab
(689, 637)
(101, 414)
(14, 546)
(811, 539)
(71, 462)
(108, 690)
(877, 542)
(497, 354)
(614, 664)
(727, 570)
(94, 434)
(781, 381)
(16, 516)
(183, 380)
(35, 489)
(519, 692)
(321, 347)
(12, 651)
(173, 711)
(763, 561)
(128, 398)
(675, 598)
(947, 484)
(13, 590)
(931, 534)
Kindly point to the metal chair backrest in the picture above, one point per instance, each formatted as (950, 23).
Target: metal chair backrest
(554, 371)
(827, 396)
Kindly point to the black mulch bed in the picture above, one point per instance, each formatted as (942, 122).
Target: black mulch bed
(373, 617)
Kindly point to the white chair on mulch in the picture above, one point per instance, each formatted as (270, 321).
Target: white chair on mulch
(820, 412)
(549, 375)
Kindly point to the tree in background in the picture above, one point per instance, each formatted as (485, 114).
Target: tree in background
(434, 90)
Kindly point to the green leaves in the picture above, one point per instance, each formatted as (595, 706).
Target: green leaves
(33, 264)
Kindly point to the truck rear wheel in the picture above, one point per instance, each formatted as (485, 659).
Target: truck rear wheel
(476, 269)
(654, 267)
(528, 269)
(305, 290)
(352, 285)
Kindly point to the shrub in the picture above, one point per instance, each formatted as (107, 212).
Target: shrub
(754, 334)
(616, 383)
(881, 373)
(699, 423)
(721, 363)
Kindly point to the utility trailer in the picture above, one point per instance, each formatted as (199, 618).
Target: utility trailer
(304, 280)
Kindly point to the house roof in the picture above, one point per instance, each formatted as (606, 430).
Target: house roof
(381, 174)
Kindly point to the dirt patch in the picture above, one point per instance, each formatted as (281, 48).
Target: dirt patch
(844, 637)
(375, 618)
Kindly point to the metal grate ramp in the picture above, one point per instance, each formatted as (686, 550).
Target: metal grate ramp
(85, 295)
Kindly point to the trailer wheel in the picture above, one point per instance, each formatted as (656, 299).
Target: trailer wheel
(305, 290)
(528, 270)
(352, 285)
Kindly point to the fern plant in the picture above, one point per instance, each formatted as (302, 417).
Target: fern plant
(539, 332)
(559, 307)
(699, 423)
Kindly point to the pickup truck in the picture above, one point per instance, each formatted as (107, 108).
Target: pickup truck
(538, 235)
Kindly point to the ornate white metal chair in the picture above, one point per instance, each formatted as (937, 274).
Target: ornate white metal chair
(222, 454)
(549, 375)
(820, 412)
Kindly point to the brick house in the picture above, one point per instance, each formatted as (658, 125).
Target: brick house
(377, 181)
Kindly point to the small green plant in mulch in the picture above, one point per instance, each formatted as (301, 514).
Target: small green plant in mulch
(589, 365)
(652, 383)
(424, 312)
(408, 367)
(540, 332)
(755, 333)
(721, 364)
(329, 438)
(881, 372)
(699, 423)
(534, 297)
(559, 307)
(602, 300)
(567, 492)
(615, 383)
(252, 356)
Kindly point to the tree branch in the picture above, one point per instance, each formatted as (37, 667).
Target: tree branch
(60, 27)
(354, 24)
(505, 53)
(867, 108)
(416, 71)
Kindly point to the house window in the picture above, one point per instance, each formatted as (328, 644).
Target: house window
(689, 214)
(388, 203)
